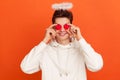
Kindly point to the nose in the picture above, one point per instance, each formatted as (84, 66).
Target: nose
(62, 28)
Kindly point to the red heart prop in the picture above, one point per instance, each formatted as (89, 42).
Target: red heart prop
(58, 27)
(66, 26)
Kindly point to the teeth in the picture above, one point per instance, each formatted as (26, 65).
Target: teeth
(62, 34)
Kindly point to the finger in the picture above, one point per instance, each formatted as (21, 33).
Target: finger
(69, 32)
(73, 30)
(73, 33)
(72, 26)
(51, 26)
(53, 32)
(49, 31)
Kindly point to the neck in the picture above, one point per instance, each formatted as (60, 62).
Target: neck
(64, 42)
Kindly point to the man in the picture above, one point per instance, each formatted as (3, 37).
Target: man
(63, 54)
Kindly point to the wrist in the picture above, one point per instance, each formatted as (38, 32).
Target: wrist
(46, 40)
(79, 37)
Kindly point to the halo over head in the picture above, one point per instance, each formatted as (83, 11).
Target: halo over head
(64, 6)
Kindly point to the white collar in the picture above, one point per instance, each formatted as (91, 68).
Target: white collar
(73, 44)
(56, 44)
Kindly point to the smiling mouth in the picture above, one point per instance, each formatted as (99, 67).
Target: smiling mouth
(62, 33)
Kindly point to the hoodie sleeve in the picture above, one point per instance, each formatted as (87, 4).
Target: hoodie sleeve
(93, 60)
(31, 62)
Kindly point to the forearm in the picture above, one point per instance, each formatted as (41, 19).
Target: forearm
(93, 60)
(30, 63)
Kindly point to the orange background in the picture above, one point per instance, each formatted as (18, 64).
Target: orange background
(23, 23)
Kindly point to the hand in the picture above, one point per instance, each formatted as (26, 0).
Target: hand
(75, 32)
(50, 34)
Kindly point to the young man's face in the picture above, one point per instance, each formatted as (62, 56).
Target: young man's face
(62, 34)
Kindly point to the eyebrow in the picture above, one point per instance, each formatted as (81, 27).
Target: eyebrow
(60, 24)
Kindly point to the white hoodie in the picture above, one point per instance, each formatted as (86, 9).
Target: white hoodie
(62, 62)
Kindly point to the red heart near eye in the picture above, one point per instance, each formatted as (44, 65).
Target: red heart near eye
(58, 27)
(66, 26)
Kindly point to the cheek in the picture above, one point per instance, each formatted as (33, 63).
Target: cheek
(57, 33)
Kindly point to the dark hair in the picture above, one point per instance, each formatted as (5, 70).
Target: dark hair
(62, 13)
